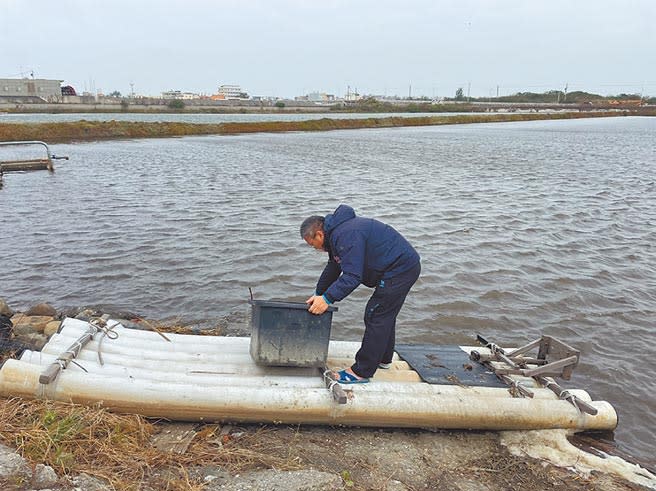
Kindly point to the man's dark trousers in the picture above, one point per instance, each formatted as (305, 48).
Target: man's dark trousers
(380, 321)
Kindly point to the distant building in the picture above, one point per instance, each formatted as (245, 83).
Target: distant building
(48, 90)
(316, 97)
(176, 94)
(231, 92)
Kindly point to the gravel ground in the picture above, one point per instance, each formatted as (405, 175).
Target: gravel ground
(328, 458)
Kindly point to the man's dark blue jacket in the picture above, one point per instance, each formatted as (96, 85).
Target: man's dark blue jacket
(361, 250)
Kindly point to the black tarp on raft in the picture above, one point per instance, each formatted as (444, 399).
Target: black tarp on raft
(446, 365)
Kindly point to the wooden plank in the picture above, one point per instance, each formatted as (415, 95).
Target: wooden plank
(347, 362)
(400, 371)
(26, 165)
(51, 372)
(397, 376)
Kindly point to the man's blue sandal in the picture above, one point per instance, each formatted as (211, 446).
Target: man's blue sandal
(344, 377)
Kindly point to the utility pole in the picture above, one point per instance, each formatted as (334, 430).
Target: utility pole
(468, 89)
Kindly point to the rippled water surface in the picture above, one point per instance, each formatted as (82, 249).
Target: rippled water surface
(524, 228)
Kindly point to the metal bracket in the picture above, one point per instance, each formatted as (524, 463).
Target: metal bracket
(43, 163)
(554, 358)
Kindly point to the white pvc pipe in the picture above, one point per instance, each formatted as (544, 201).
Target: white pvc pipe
(300, 405)
(226, 354)
(283, 378)
(201, 378)
(222, 345)
(73, 328)
(59, 344)
(157, 364)
(220, 361)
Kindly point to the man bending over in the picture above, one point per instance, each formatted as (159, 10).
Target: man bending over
(363, 251)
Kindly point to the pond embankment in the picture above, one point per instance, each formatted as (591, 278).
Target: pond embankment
(64, 132)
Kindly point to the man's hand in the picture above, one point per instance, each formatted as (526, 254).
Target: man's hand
(316, 304)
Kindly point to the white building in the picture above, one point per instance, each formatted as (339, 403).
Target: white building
(176, 94)
(232, 92)
(320, 97)
(48, 90)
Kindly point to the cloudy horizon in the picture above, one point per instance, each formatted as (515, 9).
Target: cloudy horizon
(292, 47)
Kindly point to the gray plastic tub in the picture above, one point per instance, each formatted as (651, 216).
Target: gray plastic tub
(286, 334)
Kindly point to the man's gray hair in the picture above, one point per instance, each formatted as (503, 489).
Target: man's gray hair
(311, 225)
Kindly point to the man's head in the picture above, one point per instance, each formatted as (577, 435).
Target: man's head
(312, 232)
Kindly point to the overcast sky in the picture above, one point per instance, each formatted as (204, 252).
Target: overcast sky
(288, 48)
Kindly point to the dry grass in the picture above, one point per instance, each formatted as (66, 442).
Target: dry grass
(6, 354)
(74, 439)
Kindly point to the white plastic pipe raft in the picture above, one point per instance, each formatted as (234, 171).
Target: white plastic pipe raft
(284, 377)
(205, 378)
(298, 404)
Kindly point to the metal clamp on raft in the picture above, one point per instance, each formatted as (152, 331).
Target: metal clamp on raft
(97, 324)
(554, 359)
(336, 390)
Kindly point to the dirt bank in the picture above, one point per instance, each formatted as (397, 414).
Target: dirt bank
(104, 130)
(122, 453)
